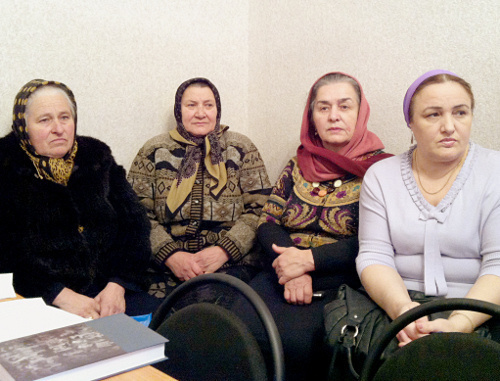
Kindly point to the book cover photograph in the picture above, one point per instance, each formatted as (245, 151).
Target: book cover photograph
(91, 350)
(41, 355)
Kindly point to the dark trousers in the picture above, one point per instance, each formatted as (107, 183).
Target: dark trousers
(301, 329)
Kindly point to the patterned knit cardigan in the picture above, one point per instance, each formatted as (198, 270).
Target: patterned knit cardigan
(228, 221)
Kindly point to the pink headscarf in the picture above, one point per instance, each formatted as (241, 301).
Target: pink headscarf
(320, 164)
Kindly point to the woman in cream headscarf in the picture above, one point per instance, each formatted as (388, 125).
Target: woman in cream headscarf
(72, 230)
(204, 188)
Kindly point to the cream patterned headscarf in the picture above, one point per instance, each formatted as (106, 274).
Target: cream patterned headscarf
(56, 170)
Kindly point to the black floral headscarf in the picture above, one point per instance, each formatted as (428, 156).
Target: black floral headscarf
(198, 148)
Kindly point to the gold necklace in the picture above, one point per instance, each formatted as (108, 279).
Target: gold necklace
(449, 177)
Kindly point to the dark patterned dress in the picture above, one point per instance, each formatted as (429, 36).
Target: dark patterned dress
(322, 217)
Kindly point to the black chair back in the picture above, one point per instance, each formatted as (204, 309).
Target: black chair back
(208, 342)
(440, 356)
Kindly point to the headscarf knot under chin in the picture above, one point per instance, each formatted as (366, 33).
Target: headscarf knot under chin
(199, 149)
(57, 170)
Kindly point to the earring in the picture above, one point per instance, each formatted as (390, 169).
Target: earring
(315, 132)
(412, 138)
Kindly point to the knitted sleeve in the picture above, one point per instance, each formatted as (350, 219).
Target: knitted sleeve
(142, 176)
(255, 188)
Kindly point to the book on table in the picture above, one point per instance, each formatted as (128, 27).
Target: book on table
(91, 350)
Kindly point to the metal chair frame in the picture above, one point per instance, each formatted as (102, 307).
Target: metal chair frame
(254, 299)
(373, 360)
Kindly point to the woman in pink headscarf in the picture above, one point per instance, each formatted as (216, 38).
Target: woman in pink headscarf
(308, 227)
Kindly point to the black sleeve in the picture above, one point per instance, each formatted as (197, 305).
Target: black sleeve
(338, 256)
(269, 233)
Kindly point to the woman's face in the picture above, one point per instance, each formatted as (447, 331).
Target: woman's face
(199, 110)
(441, 122)
(50, 124)
(335, 114)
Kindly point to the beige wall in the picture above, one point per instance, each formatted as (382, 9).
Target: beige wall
(124, 60)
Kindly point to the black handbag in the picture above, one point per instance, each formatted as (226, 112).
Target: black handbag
(352, 322)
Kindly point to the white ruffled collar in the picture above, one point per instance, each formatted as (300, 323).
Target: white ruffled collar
(417, 197)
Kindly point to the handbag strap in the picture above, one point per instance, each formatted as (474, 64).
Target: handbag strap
(358, 306)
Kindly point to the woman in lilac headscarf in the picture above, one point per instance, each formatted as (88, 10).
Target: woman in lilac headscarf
(429, 218)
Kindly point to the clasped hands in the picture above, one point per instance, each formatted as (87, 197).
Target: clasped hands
(110, 301)
(423, 326)
(186, 265)
(292, 267)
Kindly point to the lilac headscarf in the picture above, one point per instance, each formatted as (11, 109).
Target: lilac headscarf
(415, 85)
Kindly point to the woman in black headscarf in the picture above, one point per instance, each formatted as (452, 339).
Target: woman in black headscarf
(72, 230)
(203, 187)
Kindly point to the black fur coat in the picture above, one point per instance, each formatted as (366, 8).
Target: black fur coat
(78, 236)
